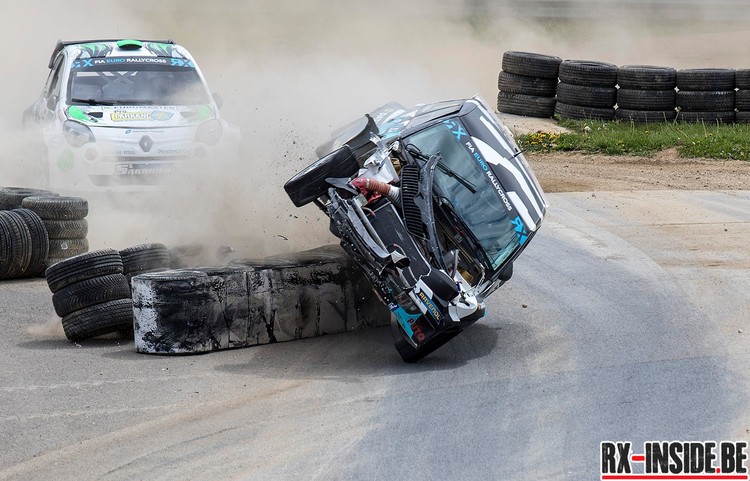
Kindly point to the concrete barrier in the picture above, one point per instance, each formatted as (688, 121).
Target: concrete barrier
(252, 302)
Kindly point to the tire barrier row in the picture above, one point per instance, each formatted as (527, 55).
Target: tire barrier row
(66, 224)
(603, 91)
(252, 302)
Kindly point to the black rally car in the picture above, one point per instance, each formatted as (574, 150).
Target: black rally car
(434, 203)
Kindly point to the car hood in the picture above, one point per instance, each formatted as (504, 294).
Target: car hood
(140, 116)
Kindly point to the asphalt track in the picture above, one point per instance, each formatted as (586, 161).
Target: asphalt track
(627, 319)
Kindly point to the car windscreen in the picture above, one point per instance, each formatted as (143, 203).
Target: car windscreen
(96, 82)
(463, 182)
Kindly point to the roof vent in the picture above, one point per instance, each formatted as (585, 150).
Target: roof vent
(130, 44)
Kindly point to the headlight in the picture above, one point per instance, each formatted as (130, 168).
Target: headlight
(77, 134)
(209, 132)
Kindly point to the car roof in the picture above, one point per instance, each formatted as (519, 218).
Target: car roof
(61, 44)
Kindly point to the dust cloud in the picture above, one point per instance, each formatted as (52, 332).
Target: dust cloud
(290, 72)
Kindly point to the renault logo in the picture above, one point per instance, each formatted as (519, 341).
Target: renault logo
(146, 143)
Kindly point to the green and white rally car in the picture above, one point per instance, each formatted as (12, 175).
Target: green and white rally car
(124, 113)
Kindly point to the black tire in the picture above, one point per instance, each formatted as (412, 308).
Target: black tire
(646, 99)
(645, 115)
(715, 79)
(588, 73)
(12, 197)
(15, 245)
(742, 100)
(646, 77)
(531, 64)
(707, 117)
(99, 319)
(742, 117)
(411, 354)
(577, 112)
(582, 96)
(57, 208)
(310, 183)
(39, 242)
(67, 229)
(144, 257)
(742, 79)
(526, 105)
(65, 248)
(521, 84)
(85, 266)
(705, 101)
(89, 292)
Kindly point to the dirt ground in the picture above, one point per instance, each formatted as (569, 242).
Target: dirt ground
(578, 172)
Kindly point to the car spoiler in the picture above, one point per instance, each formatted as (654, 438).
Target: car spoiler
(61, 44)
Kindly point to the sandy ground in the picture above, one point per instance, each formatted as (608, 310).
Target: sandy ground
(578, 172)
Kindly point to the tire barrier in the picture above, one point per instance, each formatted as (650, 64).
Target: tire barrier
(527, 84)
(646, 93)
(252, 302)
(144, 258)
(91, 294)
(587, 90)
(706, 95)
(637, 93)
(64, 219)
(742, 96)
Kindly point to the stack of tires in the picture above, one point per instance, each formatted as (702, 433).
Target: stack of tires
(64, 219)
(24, 242)
(527, 84)
(742, 95)
(91, 294)
(587, 90)
(646, 94)
(706, 95)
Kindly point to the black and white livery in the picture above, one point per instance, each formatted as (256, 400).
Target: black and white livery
(434, 203)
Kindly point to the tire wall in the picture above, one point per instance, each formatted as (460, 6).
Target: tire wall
(587, 89)
(188, 311)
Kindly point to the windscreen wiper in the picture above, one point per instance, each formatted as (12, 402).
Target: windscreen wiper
(93, 101)
(452, 173)
(476, 247)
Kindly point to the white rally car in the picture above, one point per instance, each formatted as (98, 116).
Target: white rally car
(123, 113)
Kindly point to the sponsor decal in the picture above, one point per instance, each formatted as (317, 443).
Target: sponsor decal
(408, 322)
(431, 307)
(178, 62)
(677, 460)
(521, 233)
(92, 62)
(135, 169)
(457, 130)
(140, 115)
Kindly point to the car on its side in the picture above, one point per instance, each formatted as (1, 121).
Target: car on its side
(124, 112)
(434, 203)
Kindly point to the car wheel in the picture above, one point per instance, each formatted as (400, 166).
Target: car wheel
(310, 183)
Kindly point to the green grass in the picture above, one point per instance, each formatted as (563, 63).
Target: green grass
(695, 140)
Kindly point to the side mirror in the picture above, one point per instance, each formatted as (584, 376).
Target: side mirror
(218, 99)
(52, 102)
(507, 273)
